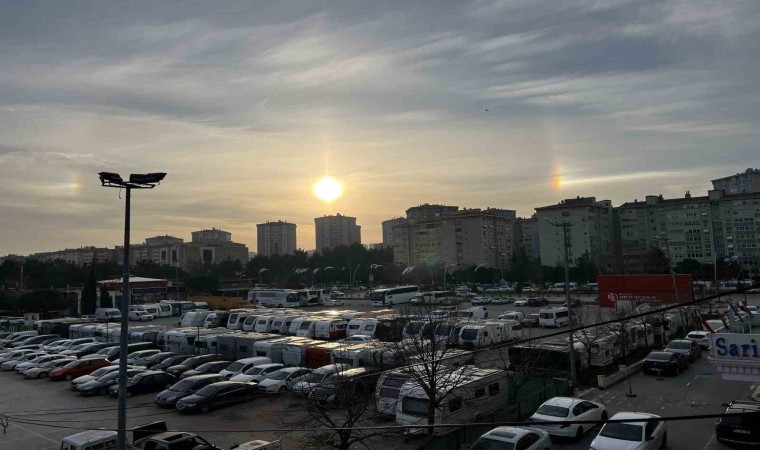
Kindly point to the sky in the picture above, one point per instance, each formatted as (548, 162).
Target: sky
(246, 104)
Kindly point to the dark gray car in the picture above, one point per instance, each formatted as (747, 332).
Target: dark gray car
(688, 348)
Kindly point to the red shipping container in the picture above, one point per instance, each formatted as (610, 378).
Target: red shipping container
(639, 289)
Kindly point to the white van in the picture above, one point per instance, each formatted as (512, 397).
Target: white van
(388, 390)
(558, 316)
(140, 316)
(90, 440)
(474, 313)
(241, 365)
(108, 314)
(193, 318)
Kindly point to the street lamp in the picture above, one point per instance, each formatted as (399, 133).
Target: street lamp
(136, 181)
(445, 269)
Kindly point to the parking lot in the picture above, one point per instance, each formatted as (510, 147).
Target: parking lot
(45, 412)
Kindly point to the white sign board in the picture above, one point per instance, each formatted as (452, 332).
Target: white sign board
(735, 346)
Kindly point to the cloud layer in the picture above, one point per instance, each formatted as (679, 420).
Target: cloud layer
(246, 104)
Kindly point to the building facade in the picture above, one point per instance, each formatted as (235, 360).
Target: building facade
(741, 183)
(590, 226)
(388, 230)
(212, 246)
(337, 230)
(705, 228)
(81, 256)
(527, 237)
(473, 237)
(276, 238)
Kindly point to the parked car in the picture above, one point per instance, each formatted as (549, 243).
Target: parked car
(315, 378)
(346, 387)
(632, 435)
(43, 370)
(78, 368)
(82, 350)
(740, 431)
(169, 362)
(216, 395)
(688, 348)
(500, 301)
(183, 388)
(100, 385)
(93, 376)
(520, 302)
(538, 301)
(36, 362)
(564, 409)
(133, 357)
(140, 316)
(242, 365)
(15, 354)
(192, 363)
(334, 303)
(145, 382)
(477, 301)
(151, 359)
(277, 381)
(257, 373)
(700, 337)
(664, 363)
(530, 321)
(357, 339)
(205, 368)
(523, 438)
(10, 365)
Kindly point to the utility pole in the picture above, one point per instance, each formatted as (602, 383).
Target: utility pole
(571, 339)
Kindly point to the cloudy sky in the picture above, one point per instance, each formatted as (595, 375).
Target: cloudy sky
(246, 104)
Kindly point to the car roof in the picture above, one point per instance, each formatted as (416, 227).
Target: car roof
(564, 402)
(679, 340)
(508, 434)
(264, 366)
(626, 415)
(203, 376)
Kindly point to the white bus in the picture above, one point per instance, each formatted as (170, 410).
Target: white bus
(275, 298)
(314, 296)
(554, 317)
(393, 296)
(560, 287)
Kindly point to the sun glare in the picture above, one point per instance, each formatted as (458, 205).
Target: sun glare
(328, 189)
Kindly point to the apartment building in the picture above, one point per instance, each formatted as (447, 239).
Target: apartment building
(211, 246)
(276, 238)
(418, 238)
(527, 236)
(388, 230)
(473, 237)
(590, 230)
(704, 228)
(81, 256)
(337, 230)
(741, 183)
(159, 249)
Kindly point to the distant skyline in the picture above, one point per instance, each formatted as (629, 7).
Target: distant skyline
(502, 103)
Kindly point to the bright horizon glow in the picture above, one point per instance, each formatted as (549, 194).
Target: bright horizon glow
(328, 189)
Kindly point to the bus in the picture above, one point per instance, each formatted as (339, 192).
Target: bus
(393, 296)
(314, 296)
(275, 298)
(554, 317)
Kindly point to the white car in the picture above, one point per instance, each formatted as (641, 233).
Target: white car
(142, 316)
(257, 373)
(357, 339)
(564, 409)
(277, 381)
(700, 337)
(480, 301)
(523, 438)
(334, 303)
(521, 302)
(500, 301)
(631, 435)
(44, 369)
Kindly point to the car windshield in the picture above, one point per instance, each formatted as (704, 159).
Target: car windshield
(486, 443)
(109, 376)
(47, 364)
(206, 366)
(235, 367)
(659, 356)
(679, 345)
(254, 371)
(74, 364)
(314, 377)
(553, 411)
(622, 431)
(182, 386)
(278, 375)
(469, 334)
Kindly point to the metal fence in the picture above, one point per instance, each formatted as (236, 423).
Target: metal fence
(524, 401)
(14, 327)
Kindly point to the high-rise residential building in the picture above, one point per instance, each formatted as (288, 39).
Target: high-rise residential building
(276, 238)
(212, 246)
(472, 237)
(429, 212)
(78, 256)
(337, 230)
(388, 230)
(745, 182)
(590, 226)
(705, 228)
(527, 237)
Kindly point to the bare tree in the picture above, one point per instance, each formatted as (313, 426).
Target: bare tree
(590, 337)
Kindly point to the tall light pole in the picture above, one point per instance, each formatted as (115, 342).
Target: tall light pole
(445, 269)
(571, 340)
(136, 181)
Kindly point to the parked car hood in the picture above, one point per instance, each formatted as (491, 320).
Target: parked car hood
(606, 443)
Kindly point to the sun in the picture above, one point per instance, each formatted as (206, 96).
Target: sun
(328, 189)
